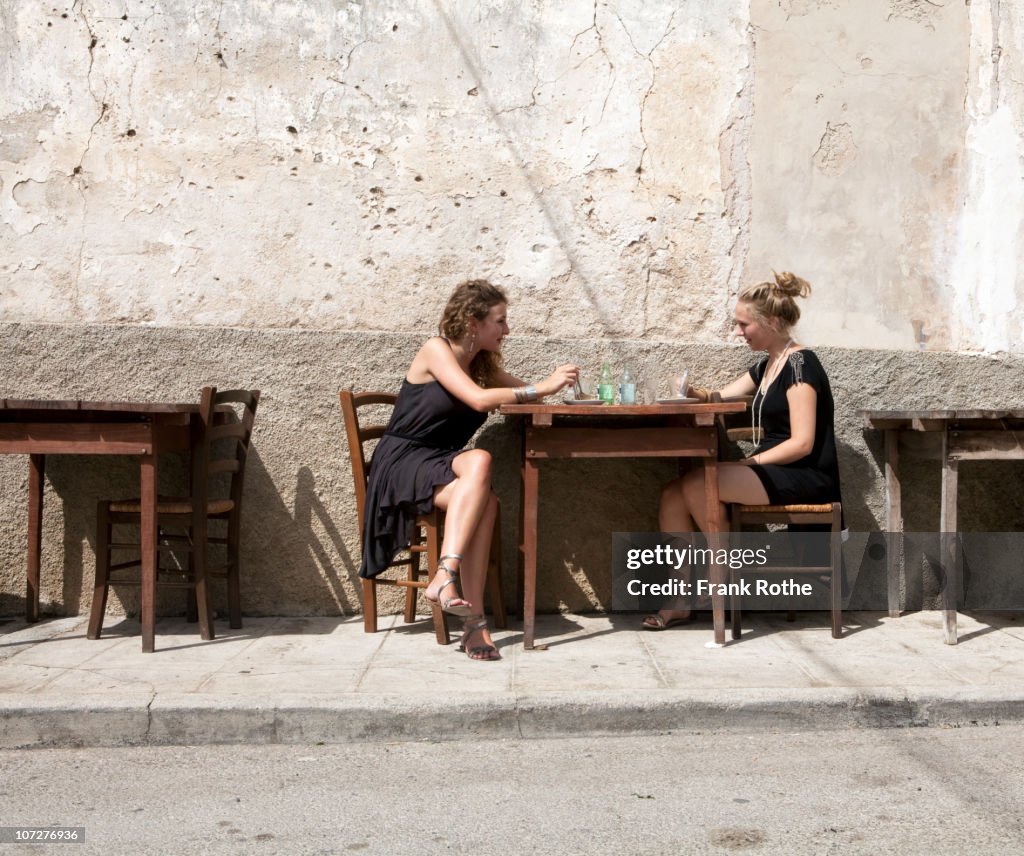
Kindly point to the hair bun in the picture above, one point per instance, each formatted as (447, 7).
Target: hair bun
(792, 285)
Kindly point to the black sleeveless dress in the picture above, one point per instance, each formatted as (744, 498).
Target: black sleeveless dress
(429, 426)
(814, 478)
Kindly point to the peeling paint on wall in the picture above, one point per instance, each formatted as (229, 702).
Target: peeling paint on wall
(836, 150)
(986, 275)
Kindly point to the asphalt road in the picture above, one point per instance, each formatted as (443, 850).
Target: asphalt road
(912, 791)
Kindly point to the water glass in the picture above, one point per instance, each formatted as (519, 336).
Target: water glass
(679, 384)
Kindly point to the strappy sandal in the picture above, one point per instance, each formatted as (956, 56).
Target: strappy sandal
(473, 625)
(451, 604)
(657, 621)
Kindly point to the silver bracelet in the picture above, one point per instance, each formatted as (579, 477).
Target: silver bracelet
(524, 393)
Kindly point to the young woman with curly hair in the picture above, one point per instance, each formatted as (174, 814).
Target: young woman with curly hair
(420, 463)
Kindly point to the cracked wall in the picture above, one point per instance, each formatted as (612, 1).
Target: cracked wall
(621, 168)
(339, 166)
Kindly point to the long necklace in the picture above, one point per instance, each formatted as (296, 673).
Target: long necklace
(770, 373)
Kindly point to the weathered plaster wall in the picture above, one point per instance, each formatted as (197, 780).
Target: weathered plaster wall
(281, 195)
(273, 164)
(856, 161)
(987, 281)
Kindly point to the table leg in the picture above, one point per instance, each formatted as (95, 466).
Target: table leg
(200, 527)
(893, 521)
(949, 546)
(714, 518)
(531, 484)
(36, 472)
(148, 545)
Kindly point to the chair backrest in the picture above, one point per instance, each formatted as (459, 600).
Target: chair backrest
(227, 418)
(734, 427)
(358, 435)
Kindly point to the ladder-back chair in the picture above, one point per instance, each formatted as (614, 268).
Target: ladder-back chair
(216, 483)
(823, 515)
(427, 533)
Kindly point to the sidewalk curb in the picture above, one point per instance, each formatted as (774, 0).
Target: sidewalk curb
(198, 719)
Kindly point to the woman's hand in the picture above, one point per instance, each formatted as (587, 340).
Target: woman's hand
(560, 378)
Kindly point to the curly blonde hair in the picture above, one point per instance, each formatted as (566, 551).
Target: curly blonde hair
(473, 298)
(774, 301)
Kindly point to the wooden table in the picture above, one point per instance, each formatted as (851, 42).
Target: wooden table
(965, 435)
(553, 431)
(41, 428)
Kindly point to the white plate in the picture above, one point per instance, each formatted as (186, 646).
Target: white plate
(678, 401)
(582, 401)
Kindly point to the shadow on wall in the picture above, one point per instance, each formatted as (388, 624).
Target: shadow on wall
(865, 575)
(313, 520)
(989, 500)
(582, 502)
(286, 567)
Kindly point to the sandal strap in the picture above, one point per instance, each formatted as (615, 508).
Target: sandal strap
(474, 623)
(451, 556)
(451, 582)
(452, 572)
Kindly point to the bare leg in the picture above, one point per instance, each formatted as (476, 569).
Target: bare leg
(673, 513)
(683, 509)
(673, 516)
(470, 510)
(736, 483)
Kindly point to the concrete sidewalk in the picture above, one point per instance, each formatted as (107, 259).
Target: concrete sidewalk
(310, 680)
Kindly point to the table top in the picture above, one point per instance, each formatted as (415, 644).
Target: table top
(563, 409)
(27, 404)
(935, 420)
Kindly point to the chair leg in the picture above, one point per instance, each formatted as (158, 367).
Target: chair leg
(369, 606)
(433, 560)
(101, 585)
(234, 575)
(494, 576)
(414, 572)
(191, 607)
(837, 572)
(735, 615)
(234, 594)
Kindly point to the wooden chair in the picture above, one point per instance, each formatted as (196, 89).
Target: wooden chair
(226, 421)
(427, 534)
(827, 514)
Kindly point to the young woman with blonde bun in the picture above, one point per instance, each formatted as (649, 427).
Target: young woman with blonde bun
(419, 464)
(794, 459)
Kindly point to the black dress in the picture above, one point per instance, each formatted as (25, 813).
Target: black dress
(814, 478)
(429, 426)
